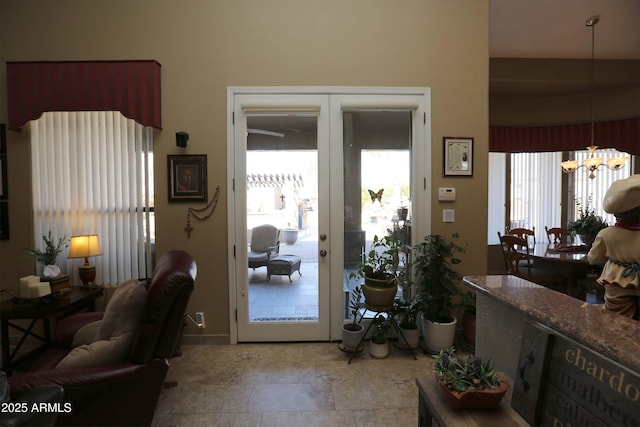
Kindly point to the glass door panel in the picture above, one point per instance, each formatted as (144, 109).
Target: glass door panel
(377, 184)
(282, 194)
(282, 281)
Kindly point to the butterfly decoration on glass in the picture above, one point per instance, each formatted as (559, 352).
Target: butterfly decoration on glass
(376, 196)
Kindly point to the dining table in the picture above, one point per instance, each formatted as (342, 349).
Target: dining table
(568, 260)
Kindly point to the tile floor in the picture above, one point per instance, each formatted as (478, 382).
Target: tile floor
(290, 384)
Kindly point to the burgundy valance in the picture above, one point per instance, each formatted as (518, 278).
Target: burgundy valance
(623, 135)
(131, 87)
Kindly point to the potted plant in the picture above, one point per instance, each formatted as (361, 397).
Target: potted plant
(353, 331)
(407, 312)
(289, 235)
(378, 269)
(50, 254)
(588, 224)
(468, 306)
(433, 260)
(379, 347)
(400, 233)
(468, 382)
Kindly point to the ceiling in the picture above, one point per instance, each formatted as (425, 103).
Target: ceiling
(557, 29)
(543, 48)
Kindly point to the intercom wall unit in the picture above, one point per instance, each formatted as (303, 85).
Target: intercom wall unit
(446, 194)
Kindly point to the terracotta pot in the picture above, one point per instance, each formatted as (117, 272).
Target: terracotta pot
(475, 399)
(379, 298)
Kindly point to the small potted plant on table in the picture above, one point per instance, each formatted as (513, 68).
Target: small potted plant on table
(468, 382)
(49, 255)
(587, 225)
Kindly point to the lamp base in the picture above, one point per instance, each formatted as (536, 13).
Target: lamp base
(87, 275)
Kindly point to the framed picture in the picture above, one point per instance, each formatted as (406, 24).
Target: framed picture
(187, 178)
(458, 156)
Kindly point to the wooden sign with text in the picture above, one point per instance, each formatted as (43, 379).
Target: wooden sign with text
(561, 383)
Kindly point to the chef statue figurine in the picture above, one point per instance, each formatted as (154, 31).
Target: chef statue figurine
(617, 248)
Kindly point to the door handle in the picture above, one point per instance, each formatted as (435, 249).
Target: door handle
(323, 237)
(323, 252)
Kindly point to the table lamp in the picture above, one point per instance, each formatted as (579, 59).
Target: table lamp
(84, 247)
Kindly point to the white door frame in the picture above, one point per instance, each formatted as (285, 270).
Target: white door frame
(417, 100)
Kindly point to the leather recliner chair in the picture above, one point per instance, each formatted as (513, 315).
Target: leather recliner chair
(125, 393)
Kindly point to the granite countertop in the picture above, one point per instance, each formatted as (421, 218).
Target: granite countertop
(610, 334)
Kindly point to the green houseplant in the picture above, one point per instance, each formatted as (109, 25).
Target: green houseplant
(353, 331)
(378, 269)
(407, 313)
(435, 277)
(379, 347)
(468, 382)
(588, 224)
(52, 249)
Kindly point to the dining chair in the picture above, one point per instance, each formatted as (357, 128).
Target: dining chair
(557, 235)
(518, 262)
(524, 233)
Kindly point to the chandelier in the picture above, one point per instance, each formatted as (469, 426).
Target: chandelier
(593, 163)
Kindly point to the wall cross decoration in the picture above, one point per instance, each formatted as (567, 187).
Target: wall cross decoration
(197, 212)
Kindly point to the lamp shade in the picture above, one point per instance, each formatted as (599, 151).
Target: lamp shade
(84, 246)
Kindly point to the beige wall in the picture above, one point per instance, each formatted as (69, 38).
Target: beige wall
(205, 46)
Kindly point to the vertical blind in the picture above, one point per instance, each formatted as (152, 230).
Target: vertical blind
(536, 190)
(92, 173)
(536, 183)
(592, 191)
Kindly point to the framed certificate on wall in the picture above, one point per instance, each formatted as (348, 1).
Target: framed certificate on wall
(458, 156)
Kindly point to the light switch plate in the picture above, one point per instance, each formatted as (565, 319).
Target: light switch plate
(448, 215)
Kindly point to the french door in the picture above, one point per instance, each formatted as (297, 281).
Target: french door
(300, 162)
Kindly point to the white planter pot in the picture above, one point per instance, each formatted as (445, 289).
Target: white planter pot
(412, 336)
(289, 236)
(350, 339)
(438, 336)
(378, 351)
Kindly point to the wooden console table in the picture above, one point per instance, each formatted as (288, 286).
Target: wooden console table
(72, 302)
(432, 406)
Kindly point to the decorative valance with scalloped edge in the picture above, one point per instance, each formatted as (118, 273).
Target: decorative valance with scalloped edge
(623, 135)
(131, 87)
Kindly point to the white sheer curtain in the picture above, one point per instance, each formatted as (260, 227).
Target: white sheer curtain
(92, 173)
(536, 191)
(497, 196)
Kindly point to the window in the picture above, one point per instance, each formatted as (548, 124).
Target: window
(534, 196)
(92, 173)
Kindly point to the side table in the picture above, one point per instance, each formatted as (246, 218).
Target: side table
(55, 309)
